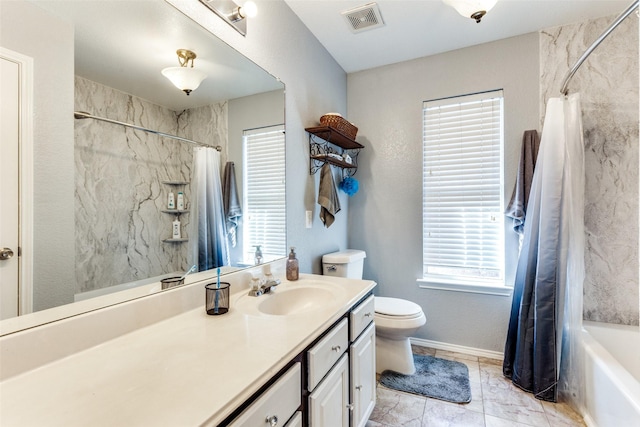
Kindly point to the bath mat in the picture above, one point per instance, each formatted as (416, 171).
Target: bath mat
(438, 378)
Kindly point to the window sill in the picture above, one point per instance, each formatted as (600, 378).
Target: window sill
(457, 286)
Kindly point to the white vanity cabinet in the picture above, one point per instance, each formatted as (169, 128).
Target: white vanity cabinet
(331, 384)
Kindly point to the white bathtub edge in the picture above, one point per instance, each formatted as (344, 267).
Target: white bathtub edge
(612, 393)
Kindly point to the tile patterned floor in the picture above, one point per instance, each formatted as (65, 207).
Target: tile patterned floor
(495, 402)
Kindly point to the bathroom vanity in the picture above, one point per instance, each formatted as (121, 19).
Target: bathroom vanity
(296, 354)
(330, 383)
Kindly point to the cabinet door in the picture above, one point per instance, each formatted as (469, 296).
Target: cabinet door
(329, 402)
(363, 376)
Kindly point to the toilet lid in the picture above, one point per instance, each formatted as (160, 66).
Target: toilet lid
(396, 307)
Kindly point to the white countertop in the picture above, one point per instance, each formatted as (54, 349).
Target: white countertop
(188, 370)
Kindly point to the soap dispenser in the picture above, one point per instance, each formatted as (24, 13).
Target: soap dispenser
(257, 256)
(292, 266)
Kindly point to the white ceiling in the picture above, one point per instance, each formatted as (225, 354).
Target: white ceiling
(125, 45)
(417, 28)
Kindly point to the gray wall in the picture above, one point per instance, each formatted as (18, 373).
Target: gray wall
(315, 84)
(53, 185)
(385, 216)
(608, 86)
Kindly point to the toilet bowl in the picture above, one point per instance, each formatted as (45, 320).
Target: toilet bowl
(396, 320)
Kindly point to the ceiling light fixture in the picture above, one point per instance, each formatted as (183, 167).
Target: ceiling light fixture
(233, 14)
(474, 9)
(185, 77)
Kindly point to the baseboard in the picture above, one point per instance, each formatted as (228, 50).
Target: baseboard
(458, 348)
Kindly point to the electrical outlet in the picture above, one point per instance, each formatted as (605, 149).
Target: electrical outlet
(309, 219)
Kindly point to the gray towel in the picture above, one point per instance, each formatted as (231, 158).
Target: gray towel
(517, 207)
(327, 196)
(231, 201)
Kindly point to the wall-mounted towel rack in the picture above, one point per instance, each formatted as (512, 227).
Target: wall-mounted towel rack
(84, 115)
(633, 6)
(322, 140)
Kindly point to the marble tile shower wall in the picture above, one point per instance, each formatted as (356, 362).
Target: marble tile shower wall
(120, 193)
(608, 84)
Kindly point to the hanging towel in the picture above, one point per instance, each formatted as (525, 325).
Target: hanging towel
(327, 196)
(231, 201)
(520, 198)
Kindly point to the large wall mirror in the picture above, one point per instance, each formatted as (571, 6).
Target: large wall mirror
(102, 224)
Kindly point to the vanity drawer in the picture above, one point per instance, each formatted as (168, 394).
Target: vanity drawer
(326, 353)
(281, 400)
(360, 317)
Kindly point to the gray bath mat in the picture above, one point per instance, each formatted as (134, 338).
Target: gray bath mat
(438, 378)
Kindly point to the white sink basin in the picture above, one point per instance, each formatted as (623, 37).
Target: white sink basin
(292, 298)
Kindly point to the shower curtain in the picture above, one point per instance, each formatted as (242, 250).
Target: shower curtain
(546, 311)
(211, 249)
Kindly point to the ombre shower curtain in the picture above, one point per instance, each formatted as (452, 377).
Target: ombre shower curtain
(541, 350)
(211, 249)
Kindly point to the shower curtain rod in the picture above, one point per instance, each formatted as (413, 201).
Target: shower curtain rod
(84, 115)
(633, 6)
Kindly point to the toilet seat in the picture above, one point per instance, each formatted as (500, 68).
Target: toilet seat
(409, 317)
(395, 313)
(397, 308)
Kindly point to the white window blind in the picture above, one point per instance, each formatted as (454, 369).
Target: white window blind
(264, 220)
(463, 233)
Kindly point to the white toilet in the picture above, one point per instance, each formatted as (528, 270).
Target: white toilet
(396, 319)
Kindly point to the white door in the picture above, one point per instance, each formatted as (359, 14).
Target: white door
(329, 402)
(9, 190)
(363, 376)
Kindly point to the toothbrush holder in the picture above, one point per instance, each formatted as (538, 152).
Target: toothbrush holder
(170, 282)
(217, 298)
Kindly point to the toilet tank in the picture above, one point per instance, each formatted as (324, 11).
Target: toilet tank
(346, 263)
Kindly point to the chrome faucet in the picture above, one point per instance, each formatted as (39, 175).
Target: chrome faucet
(269, 283)
(263, 286)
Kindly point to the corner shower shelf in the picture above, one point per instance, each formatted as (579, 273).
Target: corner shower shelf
(175, 182)
(175, 211)
(322, 140)
(184, 239)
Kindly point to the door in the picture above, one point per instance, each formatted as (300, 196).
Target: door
(16, 150)
(9, 190)
(363, 376)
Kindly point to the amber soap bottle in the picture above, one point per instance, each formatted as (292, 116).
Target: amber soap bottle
(292, 266)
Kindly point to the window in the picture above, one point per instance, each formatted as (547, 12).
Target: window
(462, 207)
(264, 221)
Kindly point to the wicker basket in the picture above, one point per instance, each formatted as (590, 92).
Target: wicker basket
(340, 124)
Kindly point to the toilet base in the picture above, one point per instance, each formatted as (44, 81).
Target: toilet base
(395, 355)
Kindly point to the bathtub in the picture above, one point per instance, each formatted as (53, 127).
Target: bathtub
(612, 374)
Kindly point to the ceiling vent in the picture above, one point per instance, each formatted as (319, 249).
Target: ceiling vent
(362, 18)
